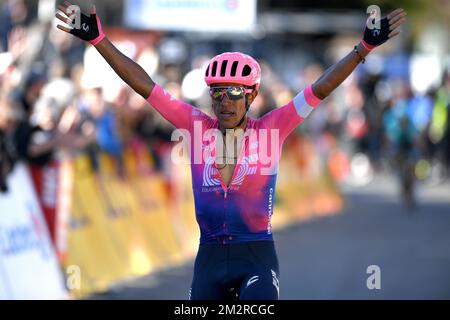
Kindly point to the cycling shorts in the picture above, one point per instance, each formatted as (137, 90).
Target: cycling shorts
(245, 271)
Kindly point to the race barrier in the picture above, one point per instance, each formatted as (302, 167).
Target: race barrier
(29, 267)
(53, 183)
(123, 226)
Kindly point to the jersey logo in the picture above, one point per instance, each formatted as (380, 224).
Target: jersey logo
(244, 169)
(275, 281)
(252, 280)
(209, 171)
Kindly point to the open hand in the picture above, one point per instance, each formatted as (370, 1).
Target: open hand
(389, 28)
(89, 27)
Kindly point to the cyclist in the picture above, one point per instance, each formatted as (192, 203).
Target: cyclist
(234, 194)
(402, 138)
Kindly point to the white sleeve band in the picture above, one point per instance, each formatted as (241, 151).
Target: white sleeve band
(302, 107)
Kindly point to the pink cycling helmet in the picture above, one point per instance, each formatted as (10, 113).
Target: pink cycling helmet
(233, 67)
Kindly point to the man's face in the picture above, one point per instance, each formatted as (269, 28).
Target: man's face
(228, 104)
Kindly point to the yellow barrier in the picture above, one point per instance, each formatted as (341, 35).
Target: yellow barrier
(90, 245)
(114, 234)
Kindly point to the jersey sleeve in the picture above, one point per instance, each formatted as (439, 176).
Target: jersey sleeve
(288, 117)
(177, 112)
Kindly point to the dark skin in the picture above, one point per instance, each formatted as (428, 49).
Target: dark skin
(135, 76)
(237, 107)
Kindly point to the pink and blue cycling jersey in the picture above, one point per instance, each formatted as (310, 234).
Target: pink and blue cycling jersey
(242, 210)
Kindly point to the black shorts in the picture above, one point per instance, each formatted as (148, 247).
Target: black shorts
(245, 271)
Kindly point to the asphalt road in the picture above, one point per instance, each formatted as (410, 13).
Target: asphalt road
(328, 257)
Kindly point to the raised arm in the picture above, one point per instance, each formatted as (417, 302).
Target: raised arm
(372, 38)
(90, 30)
(130, 72)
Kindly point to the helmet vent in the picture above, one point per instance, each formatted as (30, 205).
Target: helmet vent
(223, 68)
(246, 71)
(207, 72)
(234, 68)
(214, 69)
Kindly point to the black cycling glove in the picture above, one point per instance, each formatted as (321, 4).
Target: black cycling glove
(90, 29)
(375, 37)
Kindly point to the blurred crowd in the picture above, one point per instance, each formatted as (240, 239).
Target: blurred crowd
(374, 121)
